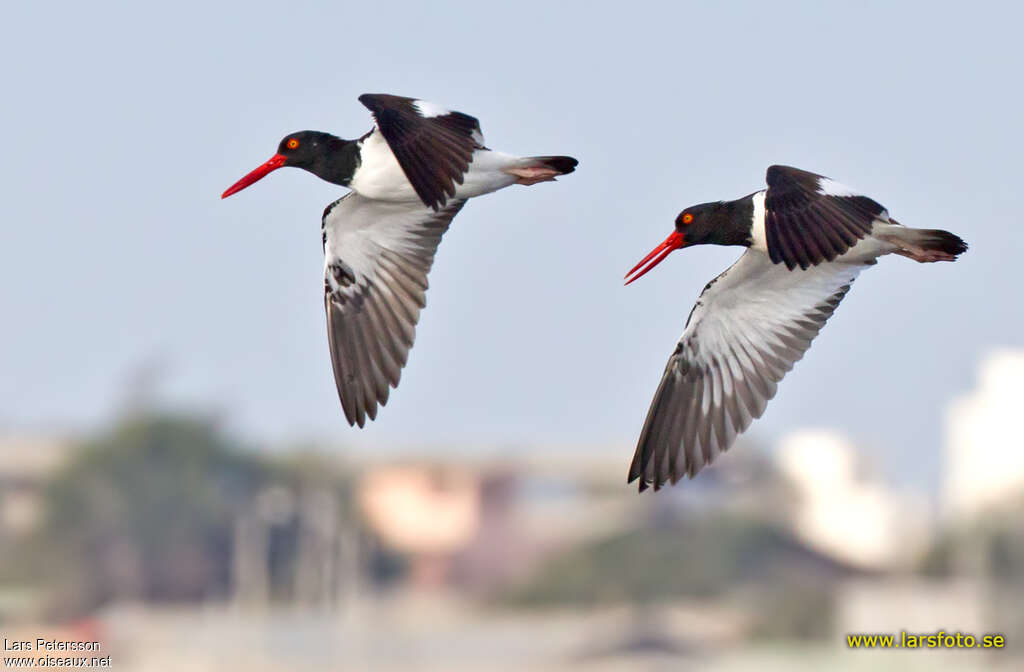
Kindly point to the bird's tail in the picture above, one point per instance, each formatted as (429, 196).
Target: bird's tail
(534, 169)
(925, 245)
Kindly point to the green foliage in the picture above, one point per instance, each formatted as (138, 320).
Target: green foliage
(699, 558)
(792, 608)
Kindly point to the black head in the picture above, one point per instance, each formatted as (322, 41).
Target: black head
(304, 149)
(702, 223)
(715, 223)
(320, 153)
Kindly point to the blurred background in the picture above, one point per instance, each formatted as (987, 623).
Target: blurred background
(177, 479)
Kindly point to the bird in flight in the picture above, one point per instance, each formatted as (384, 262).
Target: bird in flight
(807, 239)
(408, 176)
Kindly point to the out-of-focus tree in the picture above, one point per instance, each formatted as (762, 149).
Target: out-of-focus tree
(701, 558)
(146, 512)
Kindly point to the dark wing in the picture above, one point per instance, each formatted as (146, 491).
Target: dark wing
(376, 259)
(810, 218)
(433, 145)
(750, 325)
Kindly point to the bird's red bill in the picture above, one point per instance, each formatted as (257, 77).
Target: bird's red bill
(673, 242)
(272, 164)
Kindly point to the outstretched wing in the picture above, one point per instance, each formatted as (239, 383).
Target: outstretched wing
(810, 218)
(748, 328)
(376, 258)
(433, 145)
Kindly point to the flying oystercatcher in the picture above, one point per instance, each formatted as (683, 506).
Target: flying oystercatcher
(409, 176)
(807, 239)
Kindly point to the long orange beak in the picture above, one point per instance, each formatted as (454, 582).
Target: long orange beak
(272, 164)
(657, 255)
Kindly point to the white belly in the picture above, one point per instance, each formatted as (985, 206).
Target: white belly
(871, 246)
(486, 174)
(380, 177)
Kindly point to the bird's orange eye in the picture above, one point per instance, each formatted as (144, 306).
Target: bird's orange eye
(687, 218)
(293, 143)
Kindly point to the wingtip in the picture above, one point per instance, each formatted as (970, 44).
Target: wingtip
(368, 100)
(352, 418)
(634, 475)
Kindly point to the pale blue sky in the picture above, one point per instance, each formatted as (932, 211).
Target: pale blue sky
(124, 124)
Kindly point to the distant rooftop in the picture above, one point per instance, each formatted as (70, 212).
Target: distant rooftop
(31, 457)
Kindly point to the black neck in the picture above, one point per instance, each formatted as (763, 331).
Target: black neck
(333, 159)
(740, 214)
(722, 223)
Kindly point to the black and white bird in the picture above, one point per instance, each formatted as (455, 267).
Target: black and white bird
(807, 239)
(409, 176)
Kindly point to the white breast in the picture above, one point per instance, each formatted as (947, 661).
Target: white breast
(379, 176)
(757, 233)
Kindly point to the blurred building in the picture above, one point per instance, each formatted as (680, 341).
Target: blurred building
(844, 509)
(477, 525)
(984, 461)
(27, 462)
(425, 512)
(481, 525)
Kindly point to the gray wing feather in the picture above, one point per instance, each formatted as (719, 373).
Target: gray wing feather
(729, 362)
(373, 303)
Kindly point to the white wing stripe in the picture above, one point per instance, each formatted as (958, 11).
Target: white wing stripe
(830, 187)
(428, 109)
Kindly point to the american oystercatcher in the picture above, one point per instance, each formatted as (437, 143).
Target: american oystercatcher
(409, 176)
(807, 239)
